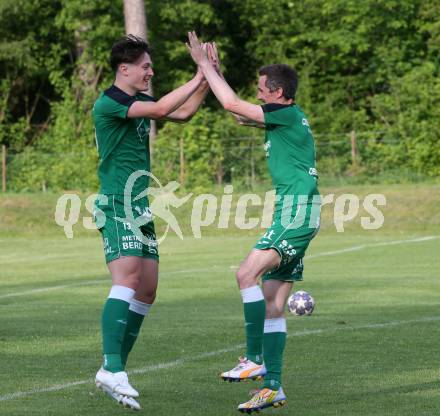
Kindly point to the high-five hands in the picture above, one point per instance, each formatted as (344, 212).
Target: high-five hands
(199, 73)
(198, 52)
(208, 62)
(213, 56)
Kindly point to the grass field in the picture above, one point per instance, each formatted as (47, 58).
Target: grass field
(370, 348)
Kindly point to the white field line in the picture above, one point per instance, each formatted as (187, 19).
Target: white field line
(371, 245)
(374, 245)
(328, 253)
(188, 359)
(17, 257)
(92, 282)
(50, 288)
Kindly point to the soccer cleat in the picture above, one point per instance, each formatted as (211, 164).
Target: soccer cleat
(245, 370)
(262, 399)
(126, 401)
(115, 382)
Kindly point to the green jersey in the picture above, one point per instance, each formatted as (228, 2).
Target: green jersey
(290, 152)
(123, 143)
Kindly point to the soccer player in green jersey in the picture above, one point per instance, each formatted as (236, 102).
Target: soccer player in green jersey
(122, 115)
(277, 258)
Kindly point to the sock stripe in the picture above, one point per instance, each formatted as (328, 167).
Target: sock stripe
(252, 294)
(139, 307)
(275, 325)
(122, 293)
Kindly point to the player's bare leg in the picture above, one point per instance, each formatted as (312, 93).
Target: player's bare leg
(256, 263)
(146, 291)
(126, 271)
(112, 378)
(140, 305)
(276, 293)
(271, 394)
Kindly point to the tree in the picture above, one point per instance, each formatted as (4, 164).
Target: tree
(136, 24)
(371, 66)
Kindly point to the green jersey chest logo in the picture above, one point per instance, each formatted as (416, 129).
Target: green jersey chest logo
(305, 123)
(266, 147)
(142, 131)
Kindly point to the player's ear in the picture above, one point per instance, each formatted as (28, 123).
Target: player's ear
(123, 69)
(279, 91)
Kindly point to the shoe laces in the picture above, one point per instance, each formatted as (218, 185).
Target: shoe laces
(253, 392)
(261, 396)
(243, 361)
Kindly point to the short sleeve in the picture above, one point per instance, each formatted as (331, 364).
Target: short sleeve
(114, 103)
(278, 114)
(113, 109)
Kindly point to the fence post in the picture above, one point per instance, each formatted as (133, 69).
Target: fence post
(353, 148)
(3, 168)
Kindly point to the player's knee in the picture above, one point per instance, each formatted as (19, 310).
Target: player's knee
(150, 297)
(147, 298)
(240, 275)
(147, 295)
(245, 278)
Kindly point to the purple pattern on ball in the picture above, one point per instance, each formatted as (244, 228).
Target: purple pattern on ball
(301, 303)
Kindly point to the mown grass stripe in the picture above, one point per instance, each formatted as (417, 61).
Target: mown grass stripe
(327, 253)
(181, 361)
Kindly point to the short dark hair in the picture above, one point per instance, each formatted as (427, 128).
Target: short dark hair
(127, 50)
(280, 76)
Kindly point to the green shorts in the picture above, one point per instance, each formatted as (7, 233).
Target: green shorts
(125, 235)
(290, 237)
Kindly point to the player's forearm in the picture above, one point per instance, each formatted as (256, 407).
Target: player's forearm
(173, 100)
(221, 89)
(167, 104)
(243, 121)
(227, 97)
(191, 105)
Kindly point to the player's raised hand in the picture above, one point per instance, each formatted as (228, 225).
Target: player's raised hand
(199, 73)
(198, 53)
(213, 56)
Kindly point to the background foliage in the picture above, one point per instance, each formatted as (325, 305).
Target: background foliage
(368, 66)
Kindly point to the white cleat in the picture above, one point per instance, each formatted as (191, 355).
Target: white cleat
(115, 382)
(126, 401)
(245, 370)
(262, 399)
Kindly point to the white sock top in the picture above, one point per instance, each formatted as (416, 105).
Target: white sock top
(252, 294)
(275, 325)
(139, 307)
(122, 293)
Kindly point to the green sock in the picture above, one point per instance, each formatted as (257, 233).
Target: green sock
(273, 346)
(114, 321)
(254, 313)
(134, 323)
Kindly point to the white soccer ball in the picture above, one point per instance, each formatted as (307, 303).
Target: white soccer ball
(301, 303)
